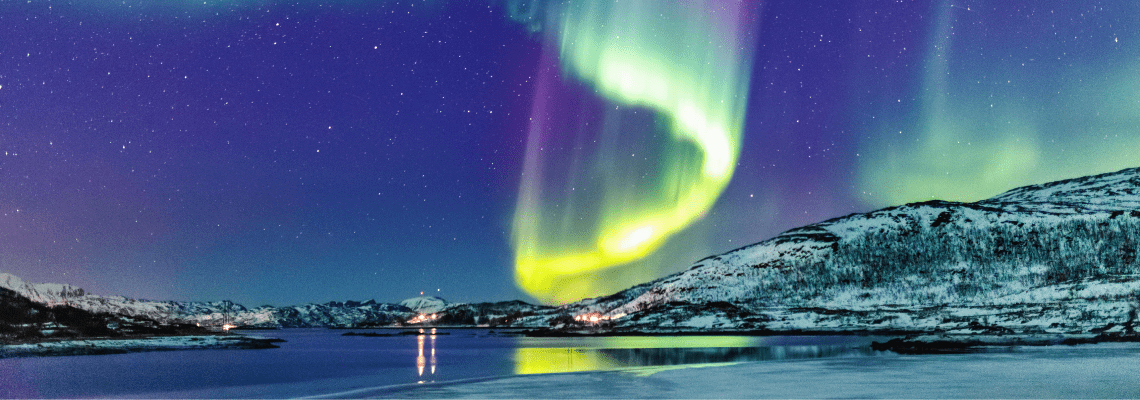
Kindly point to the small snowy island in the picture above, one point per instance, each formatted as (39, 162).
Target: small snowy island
(93, 346)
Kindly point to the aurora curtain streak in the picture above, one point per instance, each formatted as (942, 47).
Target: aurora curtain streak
(1002, 103)
(634, 133)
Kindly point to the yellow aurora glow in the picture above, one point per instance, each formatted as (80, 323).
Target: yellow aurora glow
(578, 356)
(688, 63)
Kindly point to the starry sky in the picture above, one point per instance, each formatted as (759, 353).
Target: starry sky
(290, 152)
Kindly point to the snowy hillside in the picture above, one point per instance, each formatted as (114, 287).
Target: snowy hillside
(1059, 257)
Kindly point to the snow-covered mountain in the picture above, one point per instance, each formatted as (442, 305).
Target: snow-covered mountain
(43, 293)
(215, 313)
(54, 294)
(425, 304)
(504, 313)
(1059, 257)
(342, 315)
(22, 320)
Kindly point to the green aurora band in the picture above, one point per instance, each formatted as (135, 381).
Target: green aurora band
(1006, 102)
(685, 63)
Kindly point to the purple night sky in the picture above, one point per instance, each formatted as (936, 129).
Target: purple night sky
(283, 153)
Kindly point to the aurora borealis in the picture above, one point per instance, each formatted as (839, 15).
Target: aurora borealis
(614, 207)
(322, 150)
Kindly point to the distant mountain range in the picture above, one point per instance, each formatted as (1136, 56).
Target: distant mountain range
(1055, 258)
(334, 314)
(29, 328)
(23, 319)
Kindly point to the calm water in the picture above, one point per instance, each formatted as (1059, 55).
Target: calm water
(317, 361)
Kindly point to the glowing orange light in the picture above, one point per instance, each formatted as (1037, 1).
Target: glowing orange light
(423, 318)
(227, 327)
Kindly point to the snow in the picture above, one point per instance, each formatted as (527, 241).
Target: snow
(46, 293)
(704, 321)
(1087, 371)
(425, 304)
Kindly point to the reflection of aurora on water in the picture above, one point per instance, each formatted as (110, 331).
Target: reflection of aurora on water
(616, 353)
(607, 181)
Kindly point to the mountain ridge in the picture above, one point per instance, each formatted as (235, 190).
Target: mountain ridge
(333, 314)
(1054, 258)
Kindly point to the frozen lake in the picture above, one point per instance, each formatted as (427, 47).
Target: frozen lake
(481, 363)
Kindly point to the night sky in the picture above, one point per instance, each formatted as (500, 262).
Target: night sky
(283, 153)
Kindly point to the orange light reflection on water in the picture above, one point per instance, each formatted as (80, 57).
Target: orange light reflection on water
(421, 360)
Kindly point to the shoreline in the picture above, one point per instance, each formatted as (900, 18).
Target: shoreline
(899, 341)
(749, 332)
(948, 343)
